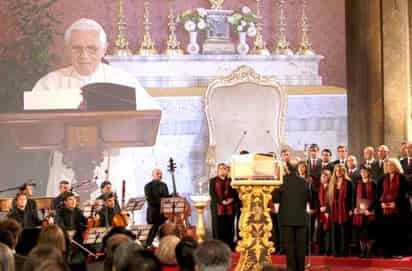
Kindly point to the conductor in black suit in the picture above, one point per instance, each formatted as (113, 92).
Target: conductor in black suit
(293, 198)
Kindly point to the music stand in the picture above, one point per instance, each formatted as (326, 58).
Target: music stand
(95, 235)
(88, 205)
(173, 205)
(141, 232)
(135, 204)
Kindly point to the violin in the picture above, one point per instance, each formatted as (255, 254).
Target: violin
(122, 219)
(92, 221)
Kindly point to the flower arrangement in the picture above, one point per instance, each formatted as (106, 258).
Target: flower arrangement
(194, 20)
(244, 20)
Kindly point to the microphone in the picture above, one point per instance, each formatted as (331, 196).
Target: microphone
(244, 133)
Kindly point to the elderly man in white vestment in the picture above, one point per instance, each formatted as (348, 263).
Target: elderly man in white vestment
(86, 44)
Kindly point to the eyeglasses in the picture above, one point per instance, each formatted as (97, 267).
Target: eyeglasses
(90, 50)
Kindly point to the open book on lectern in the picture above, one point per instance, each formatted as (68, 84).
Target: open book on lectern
(91, 97)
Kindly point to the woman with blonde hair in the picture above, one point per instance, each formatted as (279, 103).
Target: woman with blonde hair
(6, 258)
(166, 250)
(391, 193)
(340, 210)
(324, 223)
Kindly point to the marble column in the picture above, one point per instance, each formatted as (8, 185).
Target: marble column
(378, 73)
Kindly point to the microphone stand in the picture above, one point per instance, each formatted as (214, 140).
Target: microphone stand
(240, 141)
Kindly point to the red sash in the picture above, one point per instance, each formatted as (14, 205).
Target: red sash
(358, 218)
(223, 190)
(390, 192)
(323, 219)
(339, 214)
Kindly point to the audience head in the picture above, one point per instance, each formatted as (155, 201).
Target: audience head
(368, 153)
(166, 250)
(49, 265)
(106, 187)
(292, 166)
(342, 152)
(184, 253)
(40, 254)
(21, 200)
(12, 227)
(326, 155)
(64, 186)
(53, 235)
(69, 200)
(112, 240)
(6, 258)
(157, 174)
(169, 229)
(86, 44)
(130, 257)
(383, 152)
(212, 255)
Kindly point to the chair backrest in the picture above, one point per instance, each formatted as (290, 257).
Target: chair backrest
(245, 111)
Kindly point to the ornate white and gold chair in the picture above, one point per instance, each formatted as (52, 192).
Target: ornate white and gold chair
(245, 111)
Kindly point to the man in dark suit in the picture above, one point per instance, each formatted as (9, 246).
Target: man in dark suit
(326, 156)
(342, 156)
(407, 164)
(368, 157)
(378, 165)
(314, 164)
(58, 202)
(353, 170)
(293, 198)
(154, 191)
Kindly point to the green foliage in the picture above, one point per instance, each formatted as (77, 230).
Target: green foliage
(26, 58)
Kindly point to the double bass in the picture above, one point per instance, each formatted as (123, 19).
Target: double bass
(122, 219)
(180, 219)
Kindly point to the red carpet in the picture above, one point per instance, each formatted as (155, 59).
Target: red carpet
(323, 263)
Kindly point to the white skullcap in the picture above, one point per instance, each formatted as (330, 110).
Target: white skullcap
(86, 24)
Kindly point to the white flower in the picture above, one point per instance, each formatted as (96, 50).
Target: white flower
(231, 20)
(243, 23)
(251, 31)
(202, 12)
(201, 24)
(177, 20)
(246, 10)
(239, 28)
(190, 26)
(251, 24)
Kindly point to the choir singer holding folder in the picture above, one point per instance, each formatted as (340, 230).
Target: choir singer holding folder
(86, 44)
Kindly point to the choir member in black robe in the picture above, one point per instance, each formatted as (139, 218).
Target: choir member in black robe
(58, 202)
(364, 213)
(222, 205)
(340, 210)
(391, 191)
(27, 217)
(108, 210)
(154, 191)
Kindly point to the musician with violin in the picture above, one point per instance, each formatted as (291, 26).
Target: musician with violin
(24, 215)
(154, 191)
(70, 217)
(108, 210)
(27, 189)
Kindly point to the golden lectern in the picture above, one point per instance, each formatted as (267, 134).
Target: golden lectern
(255, 176)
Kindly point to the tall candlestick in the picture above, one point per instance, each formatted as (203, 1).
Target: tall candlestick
(305, 47)
(260, 45)
(173, 45)
(121, 44)
(147, 48)
(282, 44)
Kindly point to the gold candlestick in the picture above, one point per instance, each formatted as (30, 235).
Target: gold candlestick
(282, 44)
(260, 45)
(200, 202)
(173, 45)
(147, 48)
(121, 44)
(305, 47)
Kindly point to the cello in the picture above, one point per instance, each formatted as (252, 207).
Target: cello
(180, 219)
(122, 219)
